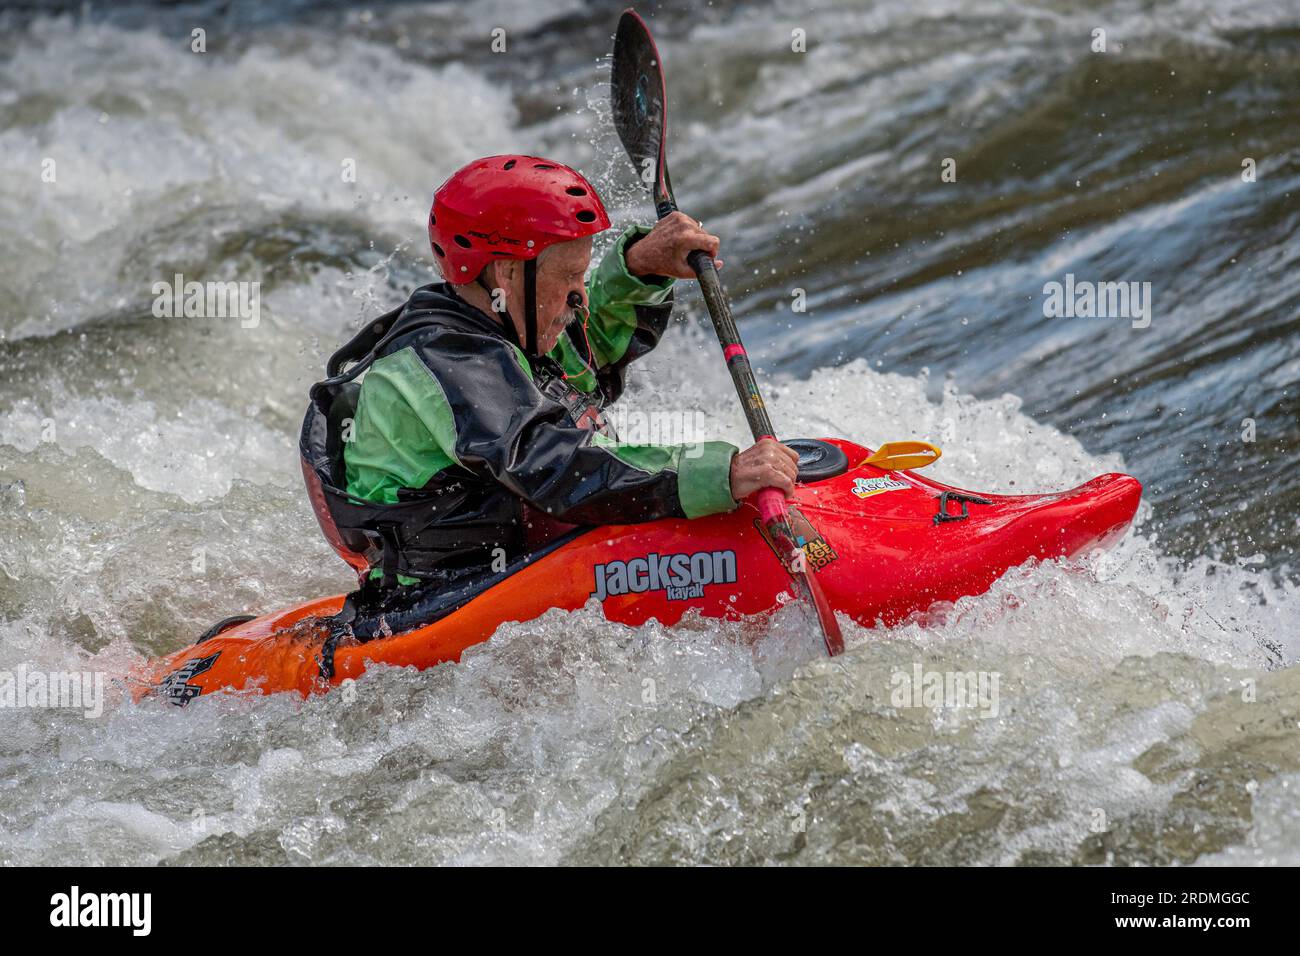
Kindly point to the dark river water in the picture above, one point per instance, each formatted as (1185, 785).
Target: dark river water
(917, 178)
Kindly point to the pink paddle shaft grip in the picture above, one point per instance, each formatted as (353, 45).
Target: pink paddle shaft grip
(771, 504)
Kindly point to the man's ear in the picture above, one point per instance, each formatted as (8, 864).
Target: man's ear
(507, 273)
(496, 275)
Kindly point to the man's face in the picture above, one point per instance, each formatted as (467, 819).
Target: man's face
(561, 272)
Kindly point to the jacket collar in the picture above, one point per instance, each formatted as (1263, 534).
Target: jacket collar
(442, 297)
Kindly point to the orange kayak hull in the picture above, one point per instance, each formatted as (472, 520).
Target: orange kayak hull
(871, 536)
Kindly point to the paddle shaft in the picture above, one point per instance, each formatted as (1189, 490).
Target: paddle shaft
(771, 504)
(742, 373)
(639, 99)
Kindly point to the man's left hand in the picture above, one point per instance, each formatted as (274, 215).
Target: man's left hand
(663, 251)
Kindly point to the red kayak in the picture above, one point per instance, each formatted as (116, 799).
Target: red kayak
(883, 544)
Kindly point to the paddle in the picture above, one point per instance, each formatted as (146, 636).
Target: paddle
(640, 105)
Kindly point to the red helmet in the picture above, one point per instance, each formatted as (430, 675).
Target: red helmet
(509, 207)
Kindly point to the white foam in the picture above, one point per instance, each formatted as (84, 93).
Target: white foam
(263, 130)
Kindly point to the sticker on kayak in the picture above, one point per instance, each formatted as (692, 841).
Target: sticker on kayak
(815, 548)
(866, 487)
(681, 576)
(176, 686)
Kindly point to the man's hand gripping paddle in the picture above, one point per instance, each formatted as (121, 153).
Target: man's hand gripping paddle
(641, 117)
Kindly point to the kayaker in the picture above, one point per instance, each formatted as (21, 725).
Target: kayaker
(476, 435)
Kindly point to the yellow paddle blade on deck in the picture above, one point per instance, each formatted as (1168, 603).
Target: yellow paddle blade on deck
(900, 455)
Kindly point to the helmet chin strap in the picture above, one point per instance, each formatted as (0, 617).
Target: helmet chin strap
(529, 345)
(530, 305)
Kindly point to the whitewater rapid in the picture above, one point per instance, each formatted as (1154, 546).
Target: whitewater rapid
(149, 485)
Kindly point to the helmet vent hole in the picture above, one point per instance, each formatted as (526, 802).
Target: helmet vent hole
(461, 241)
(542, 166)
(586, 216)
(576, 191)
(510, 164)
(438, 249)
(433, 221)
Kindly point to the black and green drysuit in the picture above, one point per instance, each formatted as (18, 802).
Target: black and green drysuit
(469, 449)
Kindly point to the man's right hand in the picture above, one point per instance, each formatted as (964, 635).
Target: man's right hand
(768, 464)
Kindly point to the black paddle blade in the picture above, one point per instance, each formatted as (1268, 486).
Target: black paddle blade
(640, 103)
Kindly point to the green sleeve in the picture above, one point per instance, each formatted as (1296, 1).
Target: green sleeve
(703, 470)
(613, 293)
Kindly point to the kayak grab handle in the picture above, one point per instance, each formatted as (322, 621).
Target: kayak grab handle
(943, 515)
(225, 624)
